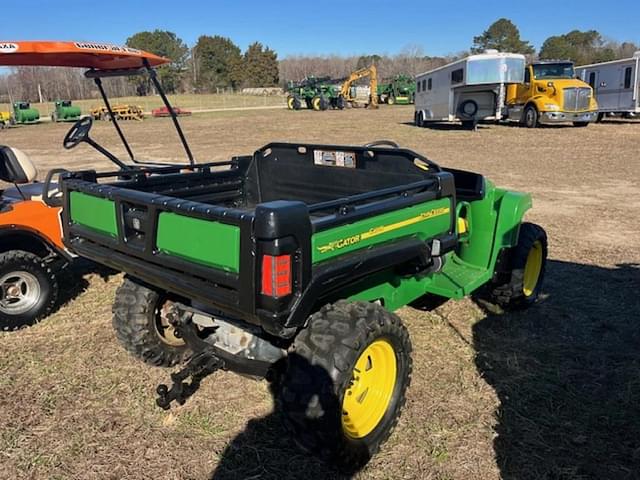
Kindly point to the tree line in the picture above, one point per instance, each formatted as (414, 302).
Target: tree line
(216, 63)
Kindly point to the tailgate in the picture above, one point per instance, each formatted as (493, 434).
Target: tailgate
(189, 248)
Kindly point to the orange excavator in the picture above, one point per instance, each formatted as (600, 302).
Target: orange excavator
(347, 91)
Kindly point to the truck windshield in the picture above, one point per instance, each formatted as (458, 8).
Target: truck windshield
(553, 70)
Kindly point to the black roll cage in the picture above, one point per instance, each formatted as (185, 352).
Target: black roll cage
(98, 75)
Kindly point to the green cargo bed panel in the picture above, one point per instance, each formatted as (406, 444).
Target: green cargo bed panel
(425, 220)
(206, 242)
(95, 213)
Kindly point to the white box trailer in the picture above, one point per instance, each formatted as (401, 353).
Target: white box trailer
(616, 85)
(469, 90)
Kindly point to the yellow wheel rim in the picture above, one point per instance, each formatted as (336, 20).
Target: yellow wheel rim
(290, 103)
(532, 269)
(316, 104)
(369, 394)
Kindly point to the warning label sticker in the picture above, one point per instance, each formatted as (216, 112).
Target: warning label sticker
(334, 158)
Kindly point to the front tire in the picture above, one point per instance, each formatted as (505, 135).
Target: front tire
(528, 262)
(142, 327)
(530, 117)
(344, 384)
(391, 100)
(28, 289)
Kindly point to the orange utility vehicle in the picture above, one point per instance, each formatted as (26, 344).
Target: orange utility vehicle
(31, 250)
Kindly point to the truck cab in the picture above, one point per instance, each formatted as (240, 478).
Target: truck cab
(549, 94)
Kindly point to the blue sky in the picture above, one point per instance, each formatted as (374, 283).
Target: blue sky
(327, 27)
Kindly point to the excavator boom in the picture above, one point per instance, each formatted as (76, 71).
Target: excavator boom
(370, 72)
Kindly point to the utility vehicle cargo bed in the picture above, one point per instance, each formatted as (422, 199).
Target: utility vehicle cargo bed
(220, 233)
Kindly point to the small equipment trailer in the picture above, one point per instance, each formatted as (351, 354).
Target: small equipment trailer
(616, 85)
(119, 112)
(468, 90)
(65, 111)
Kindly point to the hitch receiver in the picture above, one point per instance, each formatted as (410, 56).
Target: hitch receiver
(201, 365)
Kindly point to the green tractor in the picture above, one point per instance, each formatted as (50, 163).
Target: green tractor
(64, 111)
(23, 113)
(400, 90)
(315, 94)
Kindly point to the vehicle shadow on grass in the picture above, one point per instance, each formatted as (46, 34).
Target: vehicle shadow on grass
(266, 450)
(567, 375)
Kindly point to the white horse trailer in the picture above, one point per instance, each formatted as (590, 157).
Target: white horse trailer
(469, 90)
(616, 85)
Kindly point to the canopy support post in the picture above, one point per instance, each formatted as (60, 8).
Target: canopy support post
(156, 83)
(105, 99)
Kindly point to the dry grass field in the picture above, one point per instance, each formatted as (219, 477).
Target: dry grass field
(549, 393)
(193, 102)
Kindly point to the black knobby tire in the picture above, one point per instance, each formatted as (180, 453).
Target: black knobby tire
(17, 266)
(324, 103)
(319, 373)
(138, 325)
(530, 117)
(513, 294)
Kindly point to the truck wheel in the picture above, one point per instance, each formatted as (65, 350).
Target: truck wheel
(528, 264)
(142, 327)
(28, 289)
(344, 384)
(530, 117)
(324, 103)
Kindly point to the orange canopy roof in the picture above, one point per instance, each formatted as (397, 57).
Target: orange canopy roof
(101, 56)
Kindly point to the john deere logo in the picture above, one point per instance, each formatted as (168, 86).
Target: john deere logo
(8, 47)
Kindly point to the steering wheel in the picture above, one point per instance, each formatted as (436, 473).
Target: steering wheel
(79, 133)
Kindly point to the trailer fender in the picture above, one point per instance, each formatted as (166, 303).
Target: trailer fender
(511, 211)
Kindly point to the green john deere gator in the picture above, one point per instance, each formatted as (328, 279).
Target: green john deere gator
(288, 264)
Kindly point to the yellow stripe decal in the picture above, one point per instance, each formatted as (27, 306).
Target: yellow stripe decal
(374, 232)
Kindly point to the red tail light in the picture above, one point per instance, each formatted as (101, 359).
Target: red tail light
(276, 275)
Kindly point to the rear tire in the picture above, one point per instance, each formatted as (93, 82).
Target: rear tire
(315, 103)
(28, 289)
(527, 261)
(344, 384)
(141, 328)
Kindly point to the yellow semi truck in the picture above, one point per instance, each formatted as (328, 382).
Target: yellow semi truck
(550, 94)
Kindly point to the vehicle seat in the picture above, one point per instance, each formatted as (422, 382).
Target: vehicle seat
(16, 167)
